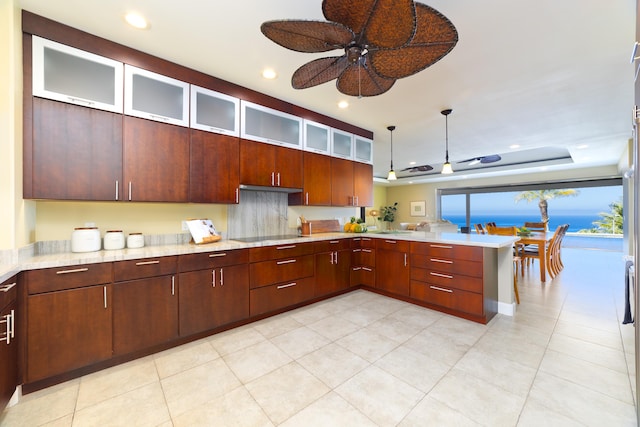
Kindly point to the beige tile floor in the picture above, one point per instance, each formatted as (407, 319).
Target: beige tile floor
(365, 360)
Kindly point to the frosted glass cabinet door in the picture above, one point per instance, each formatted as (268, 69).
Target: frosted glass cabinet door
(317, 137)
(341, 144)
(156, 97)
(214, 112)
(71, 75)
(363, 150)
(271, 126)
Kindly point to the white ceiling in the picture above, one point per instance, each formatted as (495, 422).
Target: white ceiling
(543, 74)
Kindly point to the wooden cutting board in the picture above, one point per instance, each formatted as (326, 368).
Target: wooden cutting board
(324, 225)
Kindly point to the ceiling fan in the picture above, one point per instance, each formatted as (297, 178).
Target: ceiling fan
(492, 158)
(415, 169)
(383, 40)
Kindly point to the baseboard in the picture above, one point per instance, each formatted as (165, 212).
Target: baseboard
(506, 309)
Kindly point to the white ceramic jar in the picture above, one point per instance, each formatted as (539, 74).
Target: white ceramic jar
(85, 239)
(135, 240)
(114, 239)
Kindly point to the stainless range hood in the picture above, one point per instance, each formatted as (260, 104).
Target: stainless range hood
(269, 188)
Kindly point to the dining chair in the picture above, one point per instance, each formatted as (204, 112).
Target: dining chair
(536, 226)
(551, 256)
(480, 229)
(517, 259)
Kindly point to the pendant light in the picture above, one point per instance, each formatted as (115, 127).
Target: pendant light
(392, 173)
(446, 167)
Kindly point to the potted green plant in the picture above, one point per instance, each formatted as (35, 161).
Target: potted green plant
(388, 214)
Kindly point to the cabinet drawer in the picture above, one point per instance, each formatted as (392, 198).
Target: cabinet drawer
(443, 296)
(363, 276)
(270, 298)
(8, 291)
(332, 245)
(204, 261)
(363, 242)
(69, 277)
(275, 271)
(446, 265)
(140, 268)
(393, 245)
(444, 250)
(363, 256)
(458, 281)
(280, 251)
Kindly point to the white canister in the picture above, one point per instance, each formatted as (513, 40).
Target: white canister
(85, 239)
(114, 239)
(135, 240)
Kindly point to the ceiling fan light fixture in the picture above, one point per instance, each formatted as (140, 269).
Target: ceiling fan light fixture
(392, 174)
(474, 162)
(446, 167)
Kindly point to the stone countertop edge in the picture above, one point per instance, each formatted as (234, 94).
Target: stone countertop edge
(65, 259)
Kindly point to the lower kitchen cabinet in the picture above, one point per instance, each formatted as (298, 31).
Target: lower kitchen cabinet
(333, 263)
(281, 295)
(213, 297)
(363, 262)
(8, 342)
(68, 329)
(392, 266)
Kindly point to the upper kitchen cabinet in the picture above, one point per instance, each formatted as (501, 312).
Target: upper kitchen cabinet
(317, 137)
(341, 144)
(214, 168)
(271, 126)
(351, 183)
(267, 165)
(214, 112)
(363, 150)
(155, 97)
(74, 76)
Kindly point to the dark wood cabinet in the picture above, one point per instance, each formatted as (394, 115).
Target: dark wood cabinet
(392, 266)
(8, 340)
(270, 165)
(333, 263)
(363, 184)
(363, 262)
(156, 161)
(316, 189)
(145, 304)
(76, 153)
(215, 293)
(351, 183)
(214, 168)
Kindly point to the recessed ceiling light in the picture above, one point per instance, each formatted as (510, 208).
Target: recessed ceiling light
(136, 20)
(269, 74)
(582, 146)
(343, 104)
(412, 163)
(514, 146)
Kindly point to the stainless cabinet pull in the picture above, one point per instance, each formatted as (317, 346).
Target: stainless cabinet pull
(405, 259)
(436, 288)
(333, 242)
(446, 276)
(9, 320)
(221, 278)
(117, 188)
(336, 257)
(306, 198)
(356, 199)
(331, 261)
(12, 330)
(104, 295)
(366, 269)
(366, 239)
(357, 268)
(213, 278)
(356, 250)
(80, 100)
(237, 195)
(157, 117)
(173, 285)
(286, 286)
(129, 190)
(391, 241)
(285, 247)
(7, 288)
(444, 261)
(217, 255)
(278, 179)
(272, 178)
(75, 270)
(148, 262)
(366, 250)
(288, 261)
(441, 246)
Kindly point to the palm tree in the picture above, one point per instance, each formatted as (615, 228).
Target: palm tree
(542, 196)
(610, 222)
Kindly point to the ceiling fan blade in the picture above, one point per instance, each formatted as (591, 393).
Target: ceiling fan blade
(319, 71)
(421, 168)
(380, 23)
(359, 80)
(491, 158)
(308, 36)
(435, 37)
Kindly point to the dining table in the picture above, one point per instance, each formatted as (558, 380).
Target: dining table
(541, 239)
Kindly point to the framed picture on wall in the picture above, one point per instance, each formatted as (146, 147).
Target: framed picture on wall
(419, 208)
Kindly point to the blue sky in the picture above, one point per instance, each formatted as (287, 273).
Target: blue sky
(589, 200)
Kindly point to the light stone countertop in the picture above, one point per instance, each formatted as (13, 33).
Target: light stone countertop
(68, 258)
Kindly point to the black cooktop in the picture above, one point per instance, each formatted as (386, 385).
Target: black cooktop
(263, 238)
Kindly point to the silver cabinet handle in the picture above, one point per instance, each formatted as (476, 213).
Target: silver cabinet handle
(8, 320)
(391, 241)
(75, 270)
(237, 195)
(336, 256)
(76, 100)
(405, 259)
(286, 286)
(366, 269)
(148, 262)
(367, 250)
(288, 261)
(441, 246)
(117, 188)
(221, 278)
(157, 117)
(356, 268)
(217, 255)
(173, 285)
(436, 288)
(446, 276)
(279, 248)
(444, 261)
(331, 260)
(104, 295)
(213, 278)
(356, 250)
(7, 288)
(129, 190)
(278, 179)
(306, 198)
(333, 242)
(368, 239)
(272, 178)
(356, 199)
